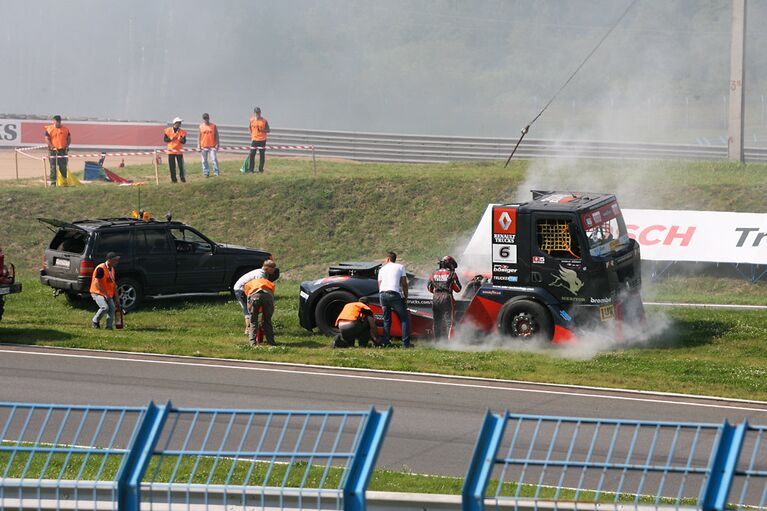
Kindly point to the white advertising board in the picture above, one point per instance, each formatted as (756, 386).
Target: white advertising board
(666, 235)
(10, 132)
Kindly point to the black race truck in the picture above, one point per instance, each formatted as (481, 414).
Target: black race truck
(560, 263)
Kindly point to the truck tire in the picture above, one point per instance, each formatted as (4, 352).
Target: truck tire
(524, 319)
(328, 309)
(130, 293)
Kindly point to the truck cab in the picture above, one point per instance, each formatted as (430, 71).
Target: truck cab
(560, 262)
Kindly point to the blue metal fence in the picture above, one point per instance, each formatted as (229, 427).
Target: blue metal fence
(522, 460)
(115, 457)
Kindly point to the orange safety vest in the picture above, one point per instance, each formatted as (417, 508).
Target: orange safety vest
(175, 145)
(256, 285)
(207, 135)
(351, 312)
(107, 281)
(258, 128)
(58, 136)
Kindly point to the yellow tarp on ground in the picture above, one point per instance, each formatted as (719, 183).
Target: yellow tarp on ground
(70, 180)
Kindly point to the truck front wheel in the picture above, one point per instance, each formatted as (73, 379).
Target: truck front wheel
(525, 319)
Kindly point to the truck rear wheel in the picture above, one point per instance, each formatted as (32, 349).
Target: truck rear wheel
(525, 319)
(328, 309)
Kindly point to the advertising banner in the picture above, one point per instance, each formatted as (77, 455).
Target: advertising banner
(664, 235)
(98, 135)
(10, 132)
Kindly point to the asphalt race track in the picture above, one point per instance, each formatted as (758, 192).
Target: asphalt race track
(436, 419)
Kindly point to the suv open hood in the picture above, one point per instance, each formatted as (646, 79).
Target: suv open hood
(60, 224)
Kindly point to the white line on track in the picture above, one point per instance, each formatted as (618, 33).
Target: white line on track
(709, 305)
(392, 379)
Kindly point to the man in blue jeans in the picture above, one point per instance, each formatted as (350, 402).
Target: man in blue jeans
(392, 288)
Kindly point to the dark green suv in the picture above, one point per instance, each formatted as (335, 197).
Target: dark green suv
(156, 258)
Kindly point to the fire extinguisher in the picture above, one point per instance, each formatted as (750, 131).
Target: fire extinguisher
(119, 318)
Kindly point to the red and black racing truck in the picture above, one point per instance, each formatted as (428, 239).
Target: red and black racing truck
(8, 282)
(560, 263)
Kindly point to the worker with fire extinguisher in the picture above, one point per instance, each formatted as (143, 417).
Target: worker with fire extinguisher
(442, 284)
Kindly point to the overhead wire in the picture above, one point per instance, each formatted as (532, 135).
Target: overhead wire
(526, 129)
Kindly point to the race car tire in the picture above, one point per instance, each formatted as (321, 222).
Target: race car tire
(130, 293)
(525, 319)
(328, 309)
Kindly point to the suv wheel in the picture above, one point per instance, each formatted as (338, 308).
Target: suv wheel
(130, 293)
(525, 319)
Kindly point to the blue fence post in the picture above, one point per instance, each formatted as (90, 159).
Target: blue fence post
(482, 461)
(365, 458)
(139, 455)
(723, 467)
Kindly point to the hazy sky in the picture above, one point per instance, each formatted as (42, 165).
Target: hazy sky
(468, 67)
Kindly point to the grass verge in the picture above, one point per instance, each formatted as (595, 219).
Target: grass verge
(697, 351)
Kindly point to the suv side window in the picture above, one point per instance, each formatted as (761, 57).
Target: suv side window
(112, 241)
(152, 241)
(189, 242)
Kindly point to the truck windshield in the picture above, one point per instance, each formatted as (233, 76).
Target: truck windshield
(605, 230)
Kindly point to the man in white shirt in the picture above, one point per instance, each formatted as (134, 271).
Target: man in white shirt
(267, 271)
(392, 288)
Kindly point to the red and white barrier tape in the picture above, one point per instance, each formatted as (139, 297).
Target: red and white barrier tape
(23, 151)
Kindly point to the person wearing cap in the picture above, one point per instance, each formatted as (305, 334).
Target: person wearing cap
(259, 127)
(104, 290)
(175, 137)
(58, 139)
(208, 144)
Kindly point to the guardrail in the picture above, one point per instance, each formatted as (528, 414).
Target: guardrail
(91, 457)
(598, 463)
(387, 147)
(162, 457)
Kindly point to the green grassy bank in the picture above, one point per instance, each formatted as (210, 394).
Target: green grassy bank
(358, 211)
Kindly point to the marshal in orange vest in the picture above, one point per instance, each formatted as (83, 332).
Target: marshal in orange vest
(107, 281)
(256, 285)
(207, 135)
(175, 145)
(352, 312)
(258, 128)
(59, 136)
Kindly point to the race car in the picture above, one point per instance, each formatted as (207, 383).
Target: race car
(321, 300)
(560, 262)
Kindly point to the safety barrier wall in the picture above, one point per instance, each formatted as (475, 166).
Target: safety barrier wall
(524, 460)
(362, 146)
(161, 457)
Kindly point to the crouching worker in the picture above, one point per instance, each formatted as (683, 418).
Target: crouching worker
(268, 270)
(355, 323)
(260, 293)
(104, 291)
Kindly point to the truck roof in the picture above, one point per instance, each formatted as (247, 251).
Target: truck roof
(564, 201)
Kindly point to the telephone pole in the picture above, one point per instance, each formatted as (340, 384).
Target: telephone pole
(737, 81)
